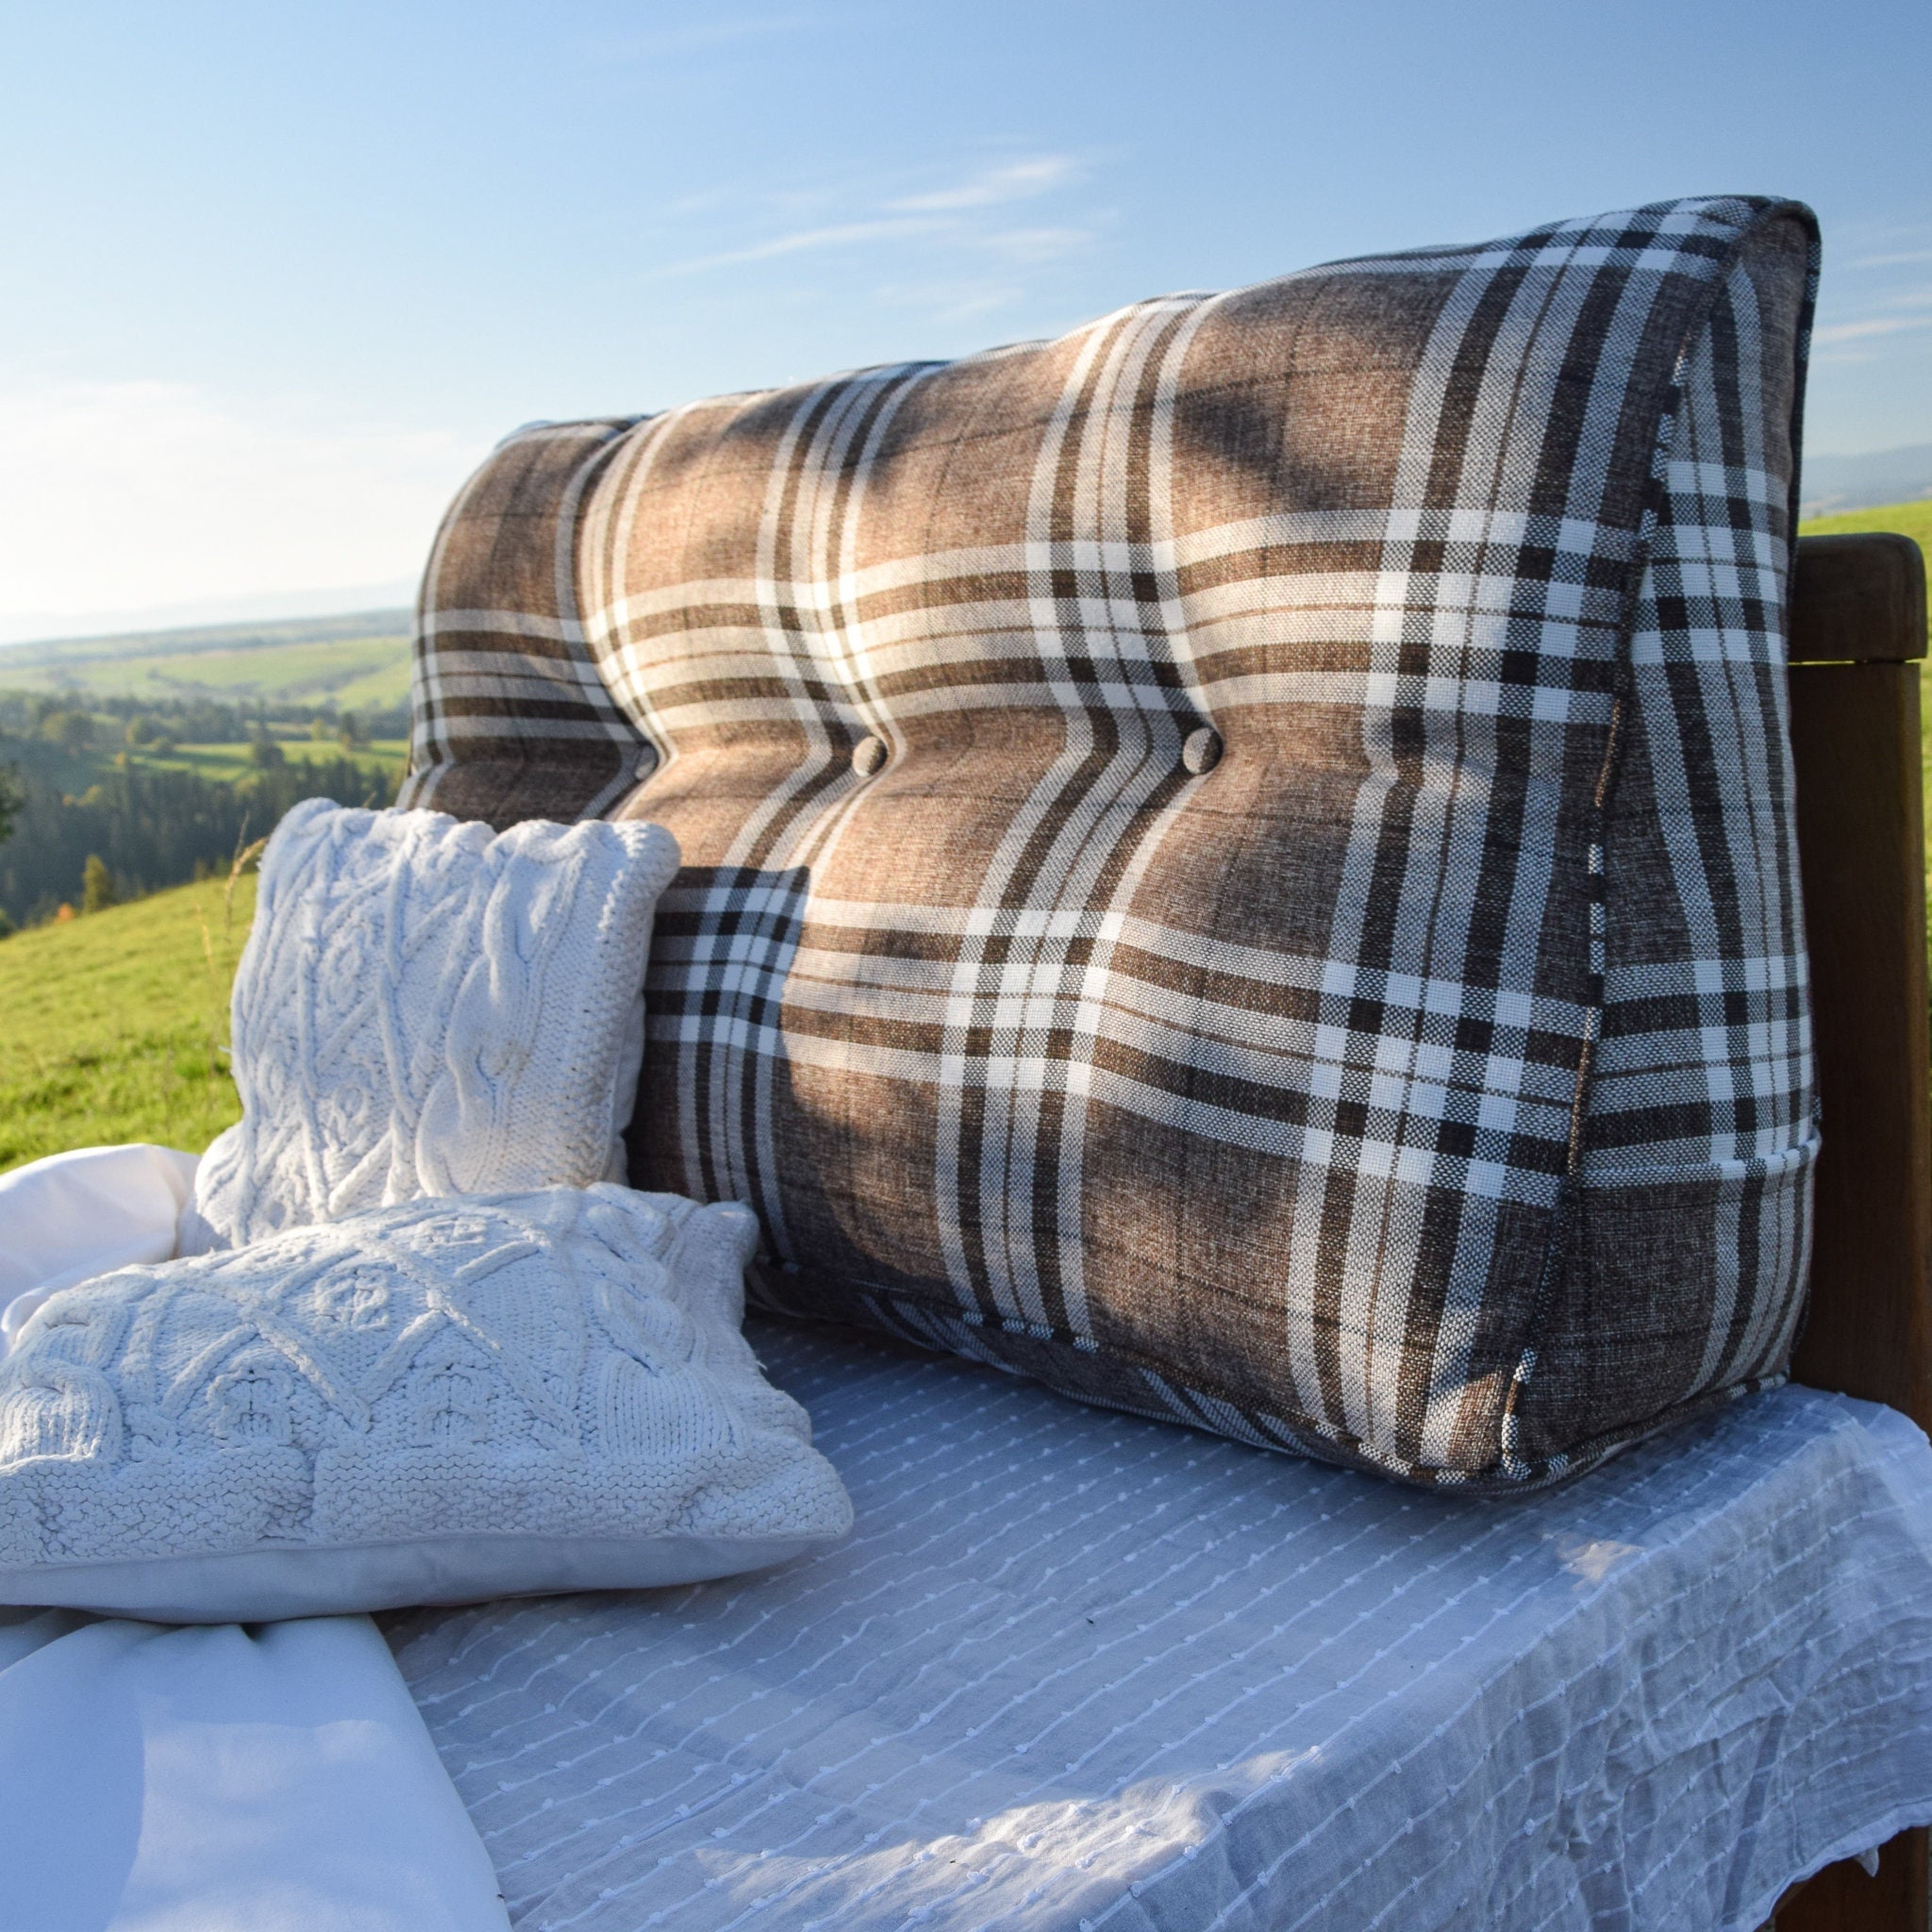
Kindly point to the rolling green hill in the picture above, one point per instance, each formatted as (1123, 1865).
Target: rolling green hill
(138, 749)
(384, 758)
(358, 661)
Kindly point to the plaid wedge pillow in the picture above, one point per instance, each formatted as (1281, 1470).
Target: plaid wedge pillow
(1239, 862)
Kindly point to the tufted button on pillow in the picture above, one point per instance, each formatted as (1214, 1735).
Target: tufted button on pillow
(868, 757)
(1202, 751)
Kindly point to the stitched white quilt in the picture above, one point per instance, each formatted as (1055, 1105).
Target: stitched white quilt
(1075, 1671)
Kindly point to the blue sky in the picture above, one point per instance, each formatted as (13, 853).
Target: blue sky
(276, 275)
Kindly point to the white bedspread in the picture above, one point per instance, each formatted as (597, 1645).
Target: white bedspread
(213, 1779)
(1077, 1671)
(216, 1779)
(72, 1216)
(1072, 1671)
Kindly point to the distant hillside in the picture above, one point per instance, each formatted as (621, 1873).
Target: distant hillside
(359, 662)
(162, 783)
(1885, 478)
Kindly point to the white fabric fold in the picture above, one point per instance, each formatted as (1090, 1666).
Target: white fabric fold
(72, 1216)
(272, 1778)
(222, 1779)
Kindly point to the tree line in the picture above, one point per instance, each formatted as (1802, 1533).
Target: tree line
(149, 829)
(82, 721)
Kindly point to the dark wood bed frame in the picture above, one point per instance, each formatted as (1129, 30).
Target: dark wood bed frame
(1857, 631)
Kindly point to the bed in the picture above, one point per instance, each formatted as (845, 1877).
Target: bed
(1079, 1669)
(1076, 1669)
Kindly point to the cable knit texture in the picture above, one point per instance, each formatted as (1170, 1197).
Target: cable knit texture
(425, 1008)
(559, 1364)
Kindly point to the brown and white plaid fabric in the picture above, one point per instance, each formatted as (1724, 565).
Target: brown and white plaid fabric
(1425, 1084)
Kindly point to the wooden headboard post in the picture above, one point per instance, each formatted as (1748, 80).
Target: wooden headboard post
(1857, 630)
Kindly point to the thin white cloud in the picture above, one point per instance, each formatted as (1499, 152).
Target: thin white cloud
(131, 495)
(951, 300)
(953, 218)
(1015, 181)
(834, 235)
(1028, 245)
(1871, 326)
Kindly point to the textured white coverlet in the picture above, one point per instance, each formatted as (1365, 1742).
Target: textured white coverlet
(1082, 1671)
(427, 1008)
(223, 1780)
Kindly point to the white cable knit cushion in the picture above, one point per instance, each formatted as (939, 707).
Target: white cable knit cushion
(426, 1008)
(435, 1402)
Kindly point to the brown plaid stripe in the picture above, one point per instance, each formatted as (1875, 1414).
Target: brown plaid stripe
(1328, 1096)
(504, 683)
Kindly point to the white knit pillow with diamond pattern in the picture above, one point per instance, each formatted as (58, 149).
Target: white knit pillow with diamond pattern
(438, 1402)
(426, 1008)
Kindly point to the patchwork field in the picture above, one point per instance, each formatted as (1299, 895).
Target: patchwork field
(160, 752)
(353, 672)
(384, 758)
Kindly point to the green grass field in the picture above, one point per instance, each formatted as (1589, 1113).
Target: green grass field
(358, 671)
(1913, 520)
(114, 1023)
(220, 764)
(354, 672)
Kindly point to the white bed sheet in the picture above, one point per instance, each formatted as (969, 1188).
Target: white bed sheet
(1077, 1671)
(72, 1216)
(223, 1779)
(273, 1778)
